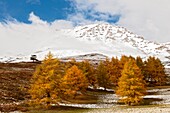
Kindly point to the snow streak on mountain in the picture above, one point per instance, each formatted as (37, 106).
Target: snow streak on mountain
(97, 40)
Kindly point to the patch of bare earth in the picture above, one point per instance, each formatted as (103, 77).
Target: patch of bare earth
(148, 109)
(14, 78)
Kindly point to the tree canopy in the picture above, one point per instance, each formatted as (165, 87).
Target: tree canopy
(131, 86)
(45, 83)
(73, 81)
(154, 72)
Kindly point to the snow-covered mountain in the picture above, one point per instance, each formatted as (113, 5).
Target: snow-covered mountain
(115, 37)
(101, 39)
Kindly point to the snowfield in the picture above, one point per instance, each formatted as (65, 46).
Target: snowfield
(163, 94)
(109, 100)
(163, 109)
(19, 42)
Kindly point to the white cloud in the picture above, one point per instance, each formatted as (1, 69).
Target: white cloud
(57, 24)
(33, 2)
(35, 19)
(20, 38)
(103, 6)
(62, 24)
(149, 18)
(94, 10)
(79, 19)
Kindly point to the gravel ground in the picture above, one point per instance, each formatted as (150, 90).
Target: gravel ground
(163, 109)
(109, 100)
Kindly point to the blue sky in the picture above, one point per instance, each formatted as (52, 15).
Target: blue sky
(47, 10)
(148, 18)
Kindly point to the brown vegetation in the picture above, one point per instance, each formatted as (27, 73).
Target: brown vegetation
(15, 78)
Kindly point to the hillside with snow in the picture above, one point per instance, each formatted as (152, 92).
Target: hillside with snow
(100, 40)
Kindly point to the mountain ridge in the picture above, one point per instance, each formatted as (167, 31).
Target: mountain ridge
(112, 33)
(101, 38)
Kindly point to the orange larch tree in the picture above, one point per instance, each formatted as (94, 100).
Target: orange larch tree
(131, 86)
(74, 81)
(89, 72)
(102, 76)
(114, 71)
(45, 83)
(154, 72)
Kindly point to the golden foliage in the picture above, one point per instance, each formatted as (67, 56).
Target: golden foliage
(45, 83)
(102, 76)
(74, 81)
(89, 72)
(114, 71)
(54, 81)
(131, 86)
(154, 72)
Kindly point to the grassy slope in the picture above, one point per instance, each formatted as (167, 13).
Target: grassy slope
(13, 78)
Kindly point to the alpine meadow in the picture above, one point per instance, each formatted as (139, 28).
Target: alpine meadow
(84, 56)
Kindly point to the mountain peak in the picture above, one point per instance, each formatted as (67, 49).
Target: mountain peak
(100, 38)
(110, 34)
(104, 31)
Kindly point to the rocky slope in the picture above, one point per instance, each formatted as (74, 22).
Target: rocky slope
(113, 34)
(101, 39)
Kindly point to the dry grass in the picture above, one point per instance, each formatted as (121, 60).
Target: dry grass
(14, 78)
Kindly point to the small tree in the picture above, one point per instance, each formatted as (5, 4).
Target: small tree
(122, 61)
(74, 81)
(88, 71)
(139, 62)
(154, 72)
(131, 86)
(161, 77)
(102, 76)
(71, 63)
(45, 83)
(114, 71)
